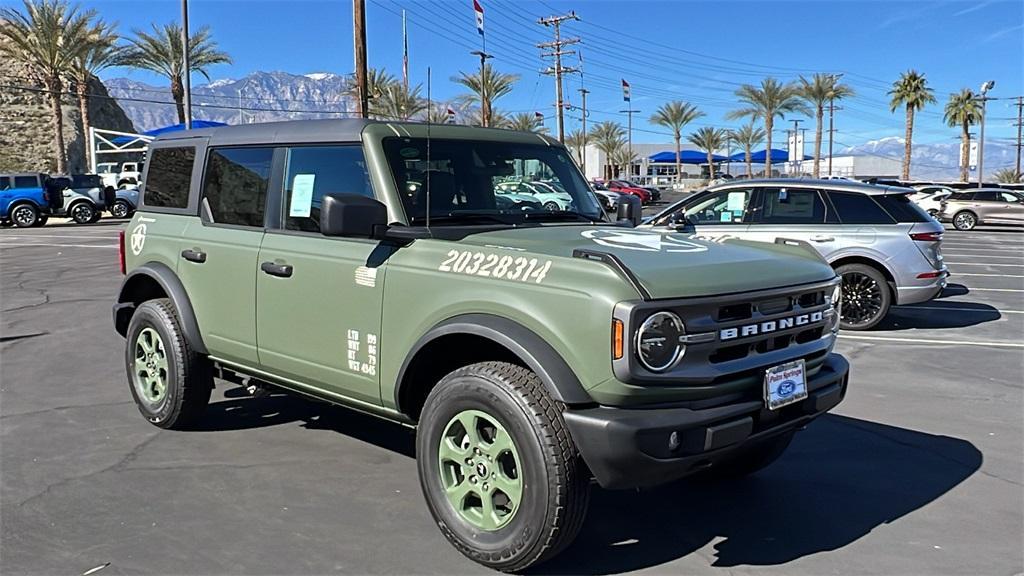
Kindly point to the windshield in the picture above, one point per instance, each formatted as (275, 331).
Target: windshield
(488, 182)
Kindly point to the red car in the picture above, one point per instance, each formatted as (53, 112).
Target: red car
(623, 187)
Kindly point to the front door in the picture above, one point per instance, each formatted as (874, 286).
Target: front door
(319, 299)
(795, 214)
(1009, 208)
(723, 213)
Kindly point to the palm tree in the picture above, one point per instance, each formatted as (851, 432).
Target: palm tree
(394, 102)
(99, 51)
(577, 142)
(161, 52)
(1007, 176)
(709, 139)
(910, 90)
(963, 110)
(526, 122)
(676, 115)
(622, 157)
(486, 86)
(772, 99)
(607, 136)
(46, 38)
(821, 89)
(748, 136)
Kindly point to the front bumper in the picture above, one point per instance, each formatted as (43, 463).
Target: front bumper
(629, 448)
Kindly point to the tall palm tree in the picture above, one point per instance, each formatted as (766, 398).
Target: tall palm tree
(709, 139)
(46, 37)
(748, 136)
(526, 122)
(394, 102)
(607, 136)
(676, 115)
(622, 157)
(963, 110)
(576, 141)
(772, 99)
(99, 51)
(820, 90)
(911, 91)
(486, 86)
(161, 52)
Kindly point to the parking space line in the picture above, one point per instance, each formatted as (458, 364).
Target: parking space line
(9, 246)
(956, 309)
(62, 236)
(969, 289)
(990, 275)
(931, 341)
(958, 254)
(982, 264)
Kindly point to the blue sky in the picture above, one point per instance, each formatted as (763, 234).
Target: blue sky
(690, 50)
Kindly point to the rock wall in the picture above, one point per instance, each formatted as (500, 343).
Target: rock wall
(26, 130)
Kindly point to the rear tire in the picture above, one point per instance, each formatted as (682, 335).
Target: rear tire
(520, 444)
(121, 209)
(81, 212)
(24, 215)
(170, 382)
(866, 297)
(751, 459)
(43, 219)
(965, 220)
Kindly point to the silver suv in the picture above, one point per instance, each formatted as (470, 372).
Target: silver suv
(968, 208)
(885, 247)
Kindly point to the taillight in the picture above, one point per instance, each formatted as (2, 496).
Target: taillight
(927, 275)
(120, 251)
(927, 236)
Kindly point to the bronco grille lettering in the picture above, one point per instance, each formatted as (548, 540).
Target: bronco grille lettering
(770, 326)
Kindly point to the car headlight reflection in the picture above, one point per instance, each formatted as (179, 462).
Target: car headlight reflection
(658, 345)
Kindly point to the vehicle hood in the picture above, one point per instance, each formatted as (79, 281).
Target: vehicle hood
(670, 264)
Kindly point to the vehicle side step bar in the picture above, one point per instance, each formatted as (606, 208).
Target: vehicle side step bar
(616, 264)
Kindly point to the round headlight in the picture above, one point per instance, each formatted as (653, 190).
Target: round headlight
(657, 341)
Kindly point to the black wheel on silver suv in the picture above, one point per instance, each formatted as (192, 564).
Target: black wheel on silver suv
(121, 209)
(82, 212)
(170, 382)
(500, 473)
(865, 296)
(965, 220)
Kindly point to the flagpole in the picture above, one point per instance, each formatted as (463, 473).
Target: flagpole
(405, 55)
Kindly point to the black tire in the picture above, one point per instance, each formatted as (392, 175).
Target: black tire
(552, 206)
(121, 209)
(81, 212)
(5, 223)
(189, 378)
(550, 514)
(24, 215)
(965, 220)
(866, 297)
(43, 219)
(750, 459)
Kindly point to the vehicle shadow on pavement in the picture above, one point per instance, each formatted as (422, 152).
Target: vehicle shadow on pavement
(938, 315)
(952, 290)
(840, 480)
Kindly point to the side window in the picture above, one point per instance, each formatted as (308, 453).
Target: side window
(962, 196)
(986, 196)
(235, 185)
(26, 182)
(5, 182)
(170, 177)
(856, 208)
(1008, 198)
(311, 172)
(792, 206)
(725, 207)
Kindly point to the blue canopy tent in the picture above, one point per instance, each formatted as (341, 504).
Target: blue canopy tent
(686, 157)
(172, 128)
(759, 157)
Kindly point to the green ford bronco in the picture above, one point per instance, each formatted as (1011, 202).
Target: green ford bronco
(380, 266)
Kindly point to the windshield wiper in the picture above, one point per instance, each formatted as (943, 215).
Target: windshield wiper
(563, 215)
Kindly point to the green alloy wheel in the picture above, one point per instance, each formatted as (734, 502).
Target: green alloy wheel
(150, 370)
(479, 468)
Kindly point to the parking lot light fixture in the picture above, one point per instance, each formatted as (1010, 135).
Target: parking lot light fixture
(981, 136)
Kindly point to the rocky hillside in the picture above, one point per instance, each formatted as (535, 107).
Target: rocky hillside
(258, 97)
(26, 133)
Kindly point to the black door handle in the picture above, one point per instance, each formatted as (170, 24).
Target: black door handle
(280, 270)
(194, 256)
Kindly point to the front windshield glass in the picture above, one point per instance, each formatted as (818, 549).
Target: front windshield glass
(488, 182)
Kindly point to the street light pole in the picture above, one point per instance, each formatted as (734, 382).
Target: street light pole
(485, 99)
(981, 132)
(187, 68)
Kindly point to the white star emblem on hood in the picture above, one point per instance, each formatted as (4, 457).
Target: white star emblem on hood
(642, 241)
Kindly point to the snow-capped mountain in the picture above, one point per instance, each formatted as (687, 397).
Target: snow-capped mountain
(938, 160)
(258, 97)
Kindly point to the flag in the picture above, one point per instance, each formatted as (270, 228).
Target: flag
(538, 116)
(451, 116)
(625, 90)
(479, 16)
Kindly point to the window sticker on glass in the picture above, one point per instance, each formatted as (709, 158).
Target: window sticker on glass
(302, 195)
(726, 216)
(737, 201)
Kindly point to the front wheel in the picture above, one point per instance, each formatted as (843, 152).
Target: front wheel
(120, 209)
(82, 212)
(552, 206)
(501, 476)
(965, 220)
(865, 297)
(25, 215)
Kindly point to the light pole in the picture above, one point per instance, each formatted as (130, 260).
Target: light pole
(981, 132)
(485, 99)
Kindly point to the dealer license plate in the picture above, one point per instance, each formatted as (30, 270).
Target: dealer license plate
(784, 384)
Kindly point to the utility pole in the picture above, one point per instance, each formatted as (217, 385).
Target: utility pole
(485, 99)
(359, 29)
(583, 152)
(1020, 123)
(187, 69)
(831, 131)
(558, 69)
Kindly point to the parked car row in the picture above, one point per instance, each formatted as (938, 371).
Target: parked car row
(29, 199)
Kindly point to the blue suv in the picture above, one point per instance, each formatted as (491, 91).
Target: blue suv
(24, 200)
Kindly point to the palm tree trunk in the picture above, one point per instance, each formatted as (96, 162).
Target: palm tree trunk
(965, 145)
(908, 144)
(769, 122)
(817, 141)
(53, 87)
(711, 167)
(82, 89)
(750, 165)
(679, 163)
(178, 92)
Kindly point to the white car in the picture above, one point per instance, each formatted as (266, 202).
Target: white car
(551, 198)
(129, 174)
(930, 198)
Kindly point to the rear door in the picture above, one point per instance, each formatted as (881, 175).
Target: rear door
(796, 214)
(319, 298)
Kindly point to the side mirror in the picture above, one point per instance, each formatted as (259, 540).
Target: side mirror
(629, 210)
(352, 215)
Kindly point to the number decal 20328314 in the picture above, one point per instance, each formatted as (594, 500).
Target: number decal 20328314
(493, 266)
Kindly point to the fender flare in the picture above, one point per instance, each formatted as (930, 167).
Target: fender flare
(556, 375)
(175, 290)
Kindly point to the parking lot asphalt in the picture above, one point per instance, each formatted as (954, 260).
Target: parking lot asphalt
(919, 471)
